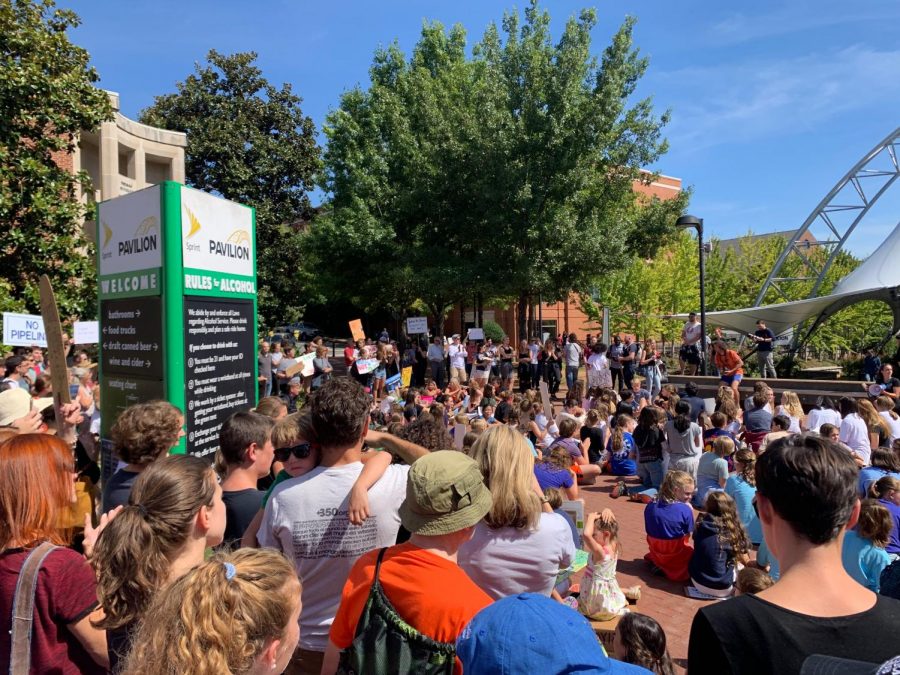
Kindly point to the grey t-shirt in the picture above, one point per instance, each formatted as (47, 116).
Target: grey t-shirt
(306, 519)
(507, 561)
(265, 365)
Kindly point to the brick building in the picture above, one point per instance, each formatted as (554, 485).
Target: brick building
(557, 317)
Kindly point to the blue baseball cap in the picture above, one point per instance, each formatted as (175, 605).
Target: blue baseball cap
(530, 633)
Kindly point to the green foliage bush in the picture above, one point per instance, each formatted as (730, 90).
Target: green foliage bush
(493, 330)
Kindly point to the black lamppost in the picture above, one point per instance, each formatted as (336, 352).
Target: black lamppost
(685, 222)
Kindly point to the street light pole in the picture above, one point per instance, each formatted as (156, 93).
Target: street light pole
(684, 222)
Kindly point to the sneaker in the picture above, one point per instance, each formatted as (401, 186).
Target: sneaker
(619, 490)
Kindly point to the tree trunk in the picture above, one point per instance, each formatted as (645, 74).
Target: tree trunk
(530, 329)
(479, 321)
(522, 315)
(462, 318)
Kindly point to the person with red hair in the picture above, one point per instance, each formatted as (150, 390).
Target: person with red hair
(37, 488)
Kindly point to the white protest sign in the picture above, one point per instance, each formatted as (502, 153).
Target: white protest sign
(307, 361)
(366, 366)
(86, 332)
(23, 330)
(417, 325)
(476, 333)
(545, 400)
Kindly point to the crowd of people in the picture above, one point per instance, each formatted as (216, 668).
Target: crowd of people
(354, 525)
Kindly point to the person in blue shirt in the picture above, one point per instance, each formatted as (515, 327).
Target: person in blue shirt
(871, 365)
(884, 463)
(621, 447)
(741, 487)
(712, 470)
(863, 551)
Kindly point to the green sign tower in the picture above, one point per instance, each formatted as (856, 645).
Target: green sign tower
(177, 278)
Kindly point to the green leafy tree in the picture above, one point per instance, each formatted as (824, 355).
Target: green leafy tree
(508, 174)
(47, 97)
(250, 142)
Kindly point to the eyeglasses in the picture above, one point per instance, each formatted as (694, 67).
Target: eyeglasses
(300, 451)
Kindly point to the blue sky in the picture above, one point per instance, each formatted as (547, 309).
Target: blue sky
(771, 102)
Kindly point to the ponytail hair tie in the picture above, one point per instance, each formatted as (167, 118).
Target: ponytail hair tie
(142, 510)
(230, 571)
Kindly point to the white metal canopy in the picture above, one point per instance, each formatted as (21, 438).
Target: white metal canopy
(878, 277)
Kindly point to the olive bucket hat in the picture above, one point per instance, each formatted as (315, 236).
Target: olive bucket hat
(445, 493)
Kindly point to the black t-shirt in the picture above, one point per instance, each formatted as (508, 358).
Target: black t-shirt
(241, 507)
(764, 346)
(595, 449)
(118, 489)
(649, 443)
(749, 635)
(889, 385)
(503, 412)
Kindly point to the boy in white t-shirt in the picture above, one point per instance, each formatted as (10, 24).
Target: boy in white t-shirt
(307, 519)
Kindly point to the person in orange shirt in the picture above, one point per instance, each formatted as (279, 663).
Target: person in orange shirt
(403, 607)
(731, 368)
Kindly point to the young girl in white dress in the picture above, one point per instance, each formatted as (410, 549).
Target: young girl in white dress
(601, 598)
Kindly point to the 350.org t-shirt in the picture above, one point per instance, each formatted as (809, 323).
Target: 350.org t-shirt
(306, 519)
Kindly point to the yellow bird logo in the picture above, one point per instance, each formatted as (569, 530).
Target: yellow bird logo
(147, 224)
(239, 237)
(107, 233)
(195, 224)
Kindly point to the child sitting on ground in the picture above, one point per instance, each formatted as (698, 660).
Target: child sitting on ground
(601, 598)
(720, 545)
(863, 552)
(641, 641)
(622, 451)
(668, 523)
(752, 580)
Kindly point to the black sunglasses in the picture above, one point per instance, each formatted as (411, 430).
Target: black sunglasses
(300, 451)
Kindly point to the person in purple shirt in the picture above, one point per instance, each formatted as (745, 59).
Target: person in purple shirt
(553, 472)
(669, 522)
(887, 491)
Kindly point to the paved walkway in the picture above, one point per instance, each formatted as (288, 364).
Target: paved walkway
(662, 599)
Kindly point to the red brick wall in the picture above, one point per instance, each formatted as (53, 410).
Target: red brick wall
(64, 160)
(568, 315)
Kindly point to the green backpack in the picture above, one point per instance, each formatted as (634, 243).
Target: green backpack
(385, 644)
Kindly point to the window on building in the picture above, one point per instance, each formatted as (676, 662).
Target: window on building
(159, 169)
(126, 161)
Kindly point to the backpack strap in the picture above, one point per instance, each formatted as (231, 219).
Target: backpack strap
(23, 610)
(378, 565)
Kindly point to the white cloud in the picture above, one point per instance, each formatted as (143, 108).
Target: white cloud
(800, 16)
(757, 99)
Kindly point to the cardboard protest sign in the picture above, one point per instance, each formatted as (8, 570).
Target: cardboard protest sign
(303, 367)
(476, 333)
(545, 400)
(406, 376)
(356, 329)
